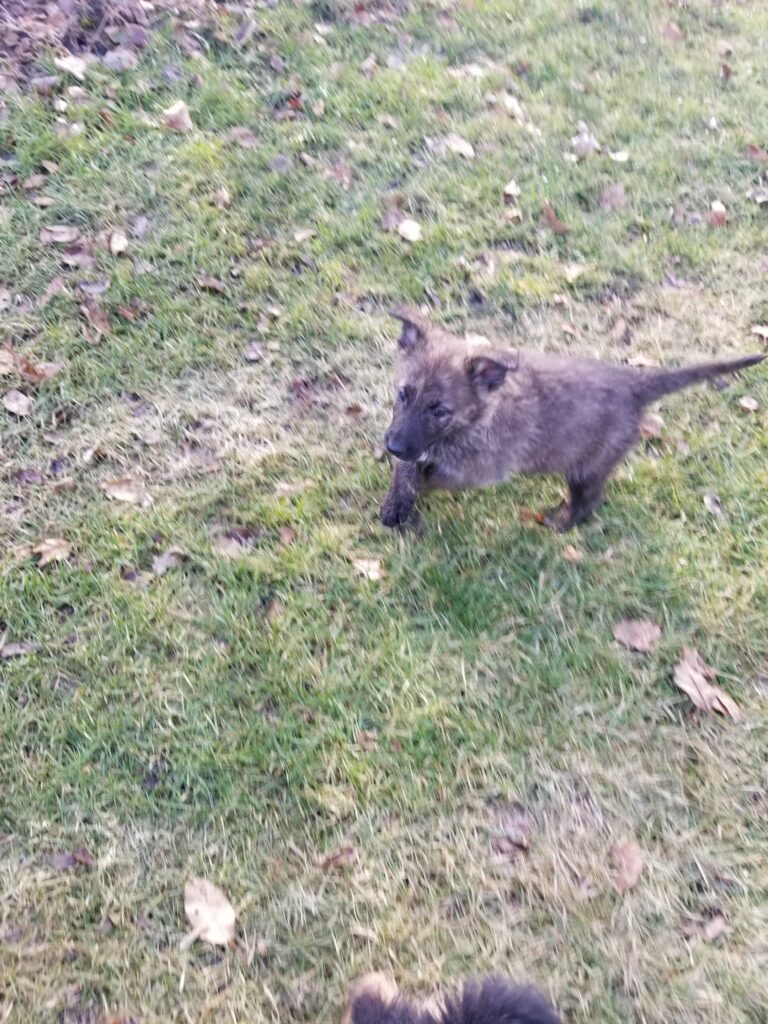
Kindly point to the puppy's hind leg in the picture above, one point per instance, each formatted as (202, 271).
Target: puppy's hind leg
(583, 498)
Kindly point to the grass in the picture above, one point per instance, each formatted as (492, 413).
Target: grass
(241, 717)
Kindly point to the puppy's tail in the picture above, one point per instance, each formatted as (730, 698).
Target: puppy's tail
(653, 384)
(497, 1001)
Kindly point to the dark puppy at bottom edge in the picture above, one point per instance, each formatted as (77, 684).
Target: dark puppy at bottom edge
(376, 1000)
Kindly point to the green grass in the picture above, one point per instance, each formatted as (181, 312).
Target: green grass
(241, 718)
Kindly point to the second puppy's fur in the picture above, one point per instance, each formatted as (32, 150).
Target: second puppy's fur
(375, 1000)
(467, 416)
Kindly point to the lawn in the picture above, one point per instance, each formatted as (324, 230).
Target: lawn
(424, 771)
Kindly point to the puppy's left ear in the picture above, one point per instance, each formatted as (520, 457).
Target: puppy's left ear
(487, 373)
(415, 328)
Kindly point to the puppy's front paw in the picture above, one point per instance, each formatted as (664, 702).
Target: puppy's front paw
(395, 511)
(560, 519)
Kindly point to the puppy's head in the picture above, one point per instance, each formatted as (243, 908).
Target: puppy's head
(441, 386)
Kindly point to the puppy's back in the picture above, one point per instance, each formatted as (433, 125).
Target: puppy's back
(497, 1001)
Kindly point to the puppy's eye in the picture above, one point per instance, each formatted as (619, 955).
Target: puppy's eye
(402, 394)
(440, 411)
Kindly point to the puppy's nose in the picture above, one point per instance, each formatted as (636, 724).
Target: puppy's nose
(394, 447)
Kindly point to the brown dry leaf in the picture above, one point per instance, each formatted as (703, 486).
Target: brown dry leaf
(243, 137)
(571, 554)
(36, 373)
(34, 181)
(303, 235)
(693, 675)
(672, 32)
(712, 504)
(287, 535)
(18, 649)
(209, 912)
(556, 226)
(528, 517)
(7, 362)
(370, 568)
(118, 242)
(72, 65)
(748, 403)
(340, 858)
(222, 197)
(717, 214)
(54, 287)
(125, 488)
(652, 425)
(761, 330)
(96, 317)
(169, 559)
(17, 403)
(49, 166)
(628, 860)
(409, 229)
(637, 634)
(456, 144)
(177, 119)
(584, 143)
(59, 234)
(52, 549)
(211, 284)
(756, 153)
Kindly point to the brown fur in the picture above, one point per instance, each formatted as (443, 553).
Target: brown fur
(468, 416)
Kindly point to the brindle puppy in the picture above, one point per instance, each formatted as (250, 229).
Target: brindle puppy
(375, 1000)
(468, 416)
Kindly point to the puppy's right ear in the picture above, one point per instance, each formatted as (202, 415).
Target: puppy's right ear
(415, 328)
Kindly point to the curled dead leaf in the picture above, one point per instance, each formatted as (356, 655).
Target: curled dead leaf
(36, 373)
(693, 676)
(510, 192)
(627, 859)
(169, 559)
(409, 229)
(243, 136)
(211, 284)
(209, 912)
(176, 118)
(748, 403)
(652, 425)
(342, 857)
(72, 65)
(17, 650)
(571, 554)
(128, 490)
(712, 504)
(59, 234)
(17, 403)
(96, 318)
(52, 549)
(637, 634)
(370, 568)
(456, 144)
(555, 225)
(7, 362)
(761, 330)
(717, 214)
(118, 242)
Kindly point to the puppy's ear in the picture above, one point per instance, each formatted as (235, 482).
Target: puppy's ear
(415, 328)
(486, 373)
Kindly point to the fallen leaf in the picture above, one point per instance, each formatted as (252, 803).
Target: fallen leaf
(713, 928)
(726, 72)
(17, 403)
(209, 912)
(243, 136)
(36, 373)
(528, 517)
(25, 477)
(627, 859)
(95, 288)
(550, 217)
(280, 164)
(253, 352)
(620, 332)
(614, 198)
(761, 330)
(222, 197)
(748, 403)
(368, 66)
(52, 549)
(277, 63)
(211, 284)
(584, 144)
(63, 861)
(177, 119)
(758, 195)
(96, 317)
(169, 559)
(756, 153)
(54, 287)
(7, 362)
(82, 856)
(59, 234)
(409, 229)
(456, 144)
(637, 634)
(712, 504)
(287, 535)
(652, 425)
(619, 156)
(33, 182)
(717, 214)
(672, 32)
(571, 554)
(692, 675)
(118, 242)
(370, 568)
(510, 192)
(340, 858)
(125, 488)
(72, 65)
(303, 235)
(122, 58)
(19, 649)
